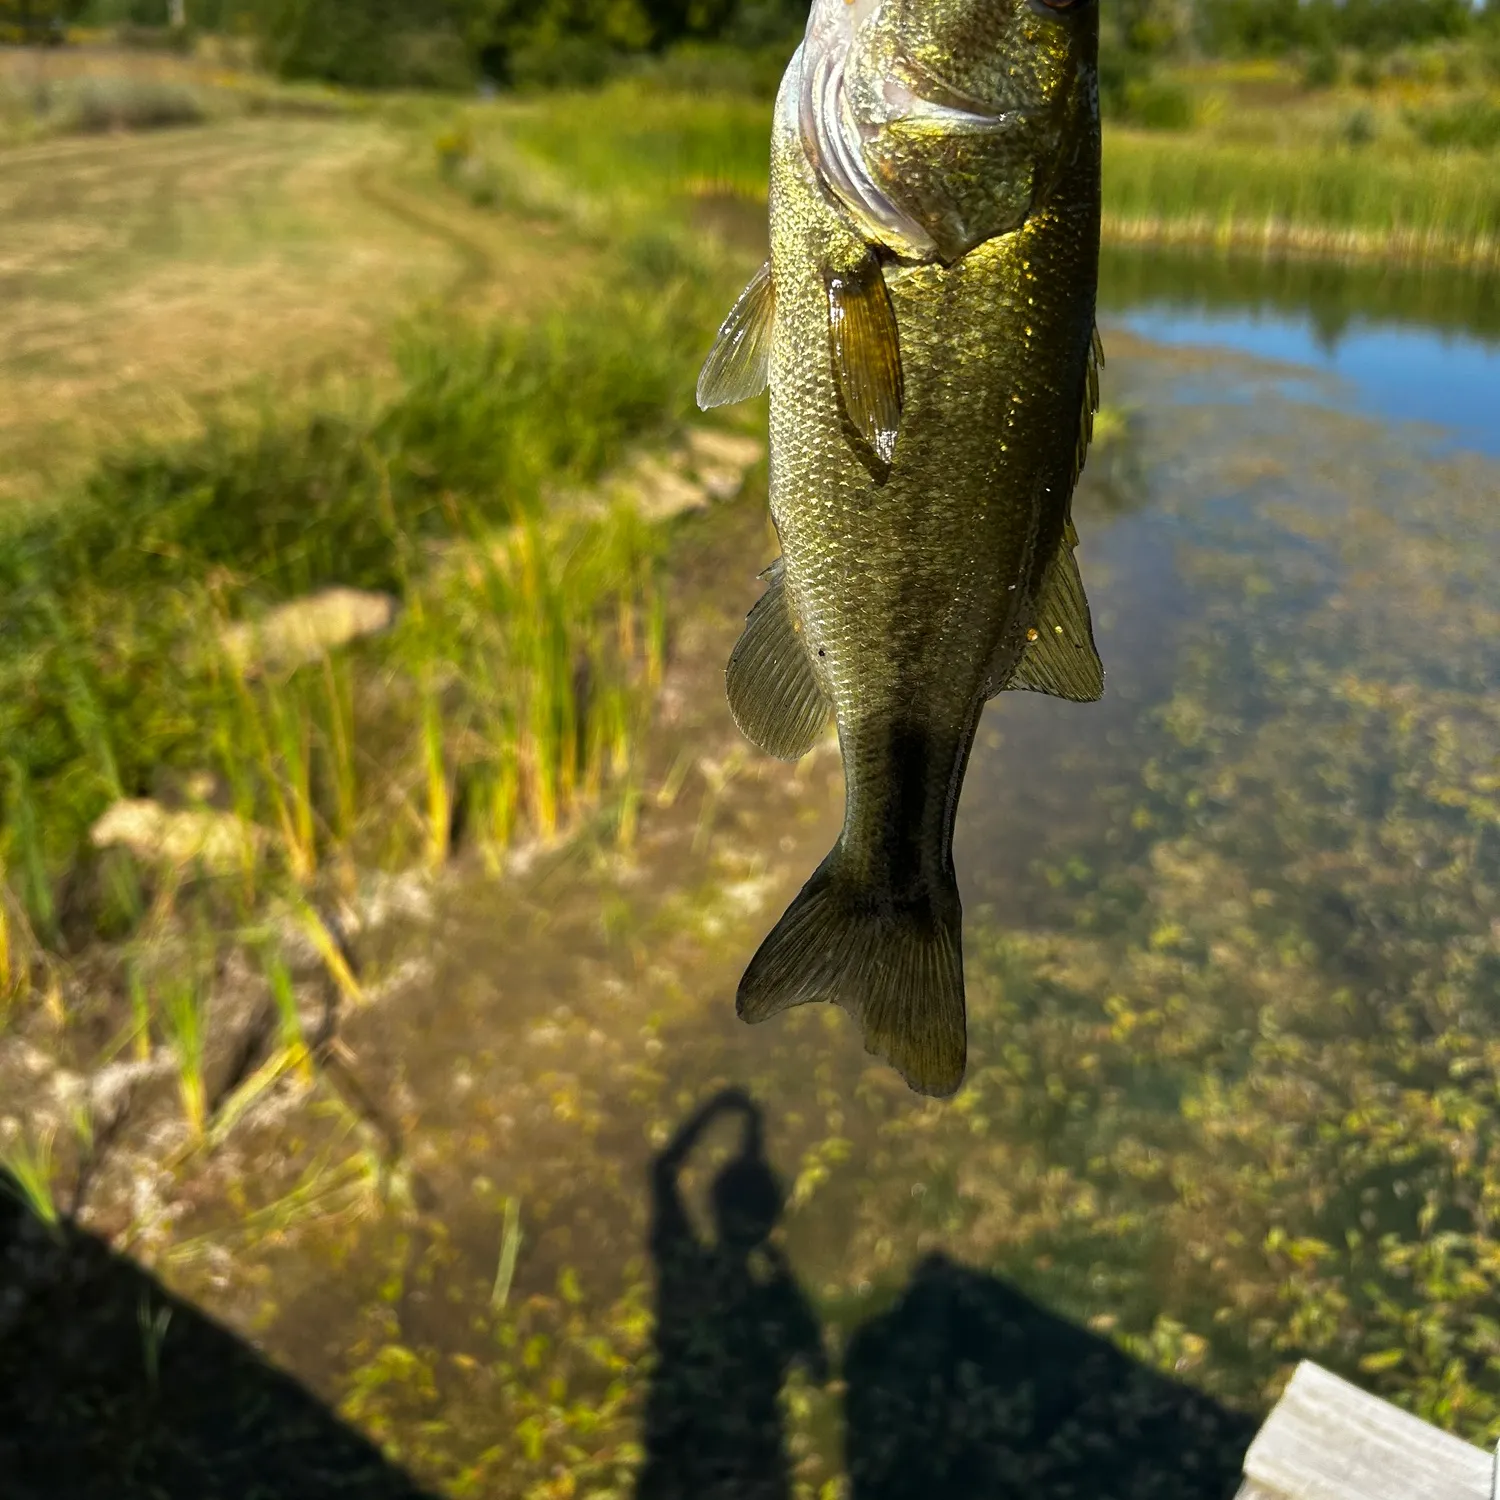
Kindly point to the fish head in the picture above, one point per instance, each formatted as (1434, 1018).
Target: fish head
(941, 123)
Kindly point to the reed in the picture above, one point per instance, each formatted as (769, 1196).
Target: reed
(510, 1247)
(661, 141)
(140, 1011)
(30, 1173)
(1338, 203)
(111, 608)
(182, 1022)
(439, 786)
(331, 951)
(292, 1037)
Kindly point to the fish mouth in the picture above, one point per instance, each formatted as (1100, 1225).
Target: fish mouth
(836, 120)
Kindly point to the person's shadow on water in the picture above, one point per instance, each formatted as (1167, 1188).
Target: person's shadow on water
(966, 1389)
(730, 1324)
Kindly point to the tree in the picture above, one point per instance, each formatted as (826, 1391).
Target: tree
(36, 22)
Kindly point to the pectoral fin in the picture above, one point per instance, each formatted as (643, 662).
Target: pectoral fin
(773, 692)
(1061, 660)
(866, 352)
(737, 366)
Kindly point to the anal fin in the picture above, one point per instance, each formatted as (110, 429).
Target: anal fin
(1090, 406)
(773, 692)
(737, 366)
(1061, 658)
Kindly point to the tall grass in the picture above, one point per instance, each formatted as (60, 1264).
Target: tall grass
(181, 1015)
(1443, 207)
(659, 142)
(28, 1174)
(1182, 186)
(499, 705)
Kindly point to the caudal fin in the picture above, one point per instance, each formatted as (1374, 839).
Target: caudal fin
(896, 965)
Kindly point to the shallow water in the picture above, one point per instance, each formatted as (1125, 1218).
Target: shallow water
(1230, 932)
(1421, 347)
(1234, 969)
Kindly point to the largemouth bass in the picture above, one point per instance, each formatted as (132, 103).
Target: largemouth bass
(926, 326)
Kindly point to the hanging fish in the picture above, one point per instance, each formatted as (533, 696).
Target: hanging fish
(926, 325)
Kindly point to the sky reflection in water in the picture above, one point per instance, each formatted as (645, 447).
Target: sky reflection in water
(1412, 375)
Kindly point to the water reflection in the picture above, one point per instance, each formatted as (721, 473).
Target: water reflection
(1331, 296)
(1410, 344)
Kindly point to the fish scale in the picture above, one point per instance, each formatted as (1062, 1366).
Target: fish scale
(927, 422)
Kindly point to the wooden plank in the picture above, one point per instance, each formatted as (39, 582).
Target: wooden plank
(1328, 1440)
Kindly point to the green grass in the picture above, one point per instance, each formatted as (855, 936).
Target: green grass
(28, 1173)
(509, 689)
(1218, 169)
(1341, 202)
(659, 142)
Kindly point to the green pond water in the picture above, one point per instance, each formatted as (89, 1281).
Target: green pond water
(1233, 945)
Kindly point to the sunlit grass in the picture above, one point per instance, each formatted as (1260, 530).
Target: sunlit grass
(1243, 178)
(660, 142)
(180, 1014)
(31, 1174)
(1354, 203)
(509, 681)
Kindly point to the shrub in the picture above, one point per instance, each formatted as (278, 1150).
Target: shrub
(1120, 70)
(565, 62)
(1473, 125)
(1158, 105)
(1359, 129)
(101, 104)
(1320, 68)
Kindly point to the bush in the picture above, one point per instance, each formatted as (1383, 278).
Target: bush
(178, 39)
(1158, 105)
(102, 104)
(1473, 125)
(363, 43)
(713, 68)
(1119, 70)
(34, 23)
(1359, 129)
(566, 62)
(431, 60)
(1320, 68)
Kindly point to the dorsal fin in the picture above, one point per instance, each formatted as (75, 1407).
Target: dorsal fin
(738, 365)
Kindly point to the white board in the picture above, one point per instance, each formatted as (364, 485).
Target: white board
(1328, 1440)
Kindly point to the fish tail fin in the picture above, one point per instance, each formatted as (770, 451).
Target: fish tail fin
(894, 962)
